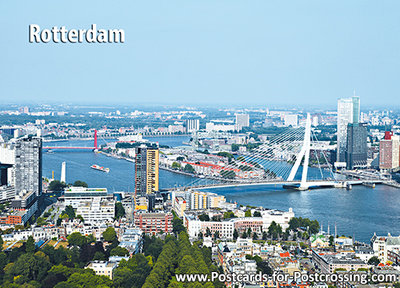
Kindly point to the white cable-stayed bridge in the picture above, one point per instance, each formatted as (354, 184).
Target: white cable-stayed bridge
(282, 160)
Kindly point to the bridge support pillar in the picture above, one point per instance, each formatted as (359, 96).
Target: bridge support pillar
(304, 153)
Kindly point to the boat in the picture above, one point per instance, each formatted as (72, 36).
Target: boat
(100, 168)
(50, 151)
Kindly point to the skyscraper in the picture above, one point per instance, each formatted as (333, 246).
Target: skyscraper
(28, 165)
(146, 170)
(242, 120)
(357, 149)
(348, 112)
(192, 125)
(389, 151)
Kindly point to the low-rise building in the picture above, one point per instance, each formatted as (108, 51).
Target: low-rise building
(98, 210)
(382, 244)
(328, 262)
(154, 223)
(131, 239)
(102, 268)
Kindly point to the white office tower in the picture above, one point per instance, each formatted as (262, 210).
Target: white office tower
(291, 120)
(242, 120)
(63, 172)
(16, 133)
(192, 125)
(348, 112)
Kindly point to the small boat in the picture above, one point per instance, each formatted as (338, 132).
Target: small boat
(50, 151)
(100, 168)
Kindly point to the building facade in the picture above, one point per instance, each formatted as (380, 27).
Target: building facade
(356, 148)
(192, 125)
(154, 223)
(28, 165)
(146, 170)
(389, 151)
(242, 120)
(348, 111)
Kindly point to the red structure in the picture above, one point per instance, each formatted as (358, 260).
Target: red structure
(95, 139)
(388, 135)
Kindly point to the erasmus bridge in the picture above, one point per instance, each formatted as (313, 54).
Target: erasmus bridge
(286, 159)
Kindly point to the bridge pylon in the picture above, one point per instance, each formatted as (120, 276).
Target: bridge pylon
(304, 153)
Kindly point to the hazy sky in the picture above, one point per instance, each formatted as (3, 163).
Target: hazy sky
(204, 52)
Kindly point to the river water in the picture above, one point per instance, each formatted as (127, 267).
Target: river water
(358, 212)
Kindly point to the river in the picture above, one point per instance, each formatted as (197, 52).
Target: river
(358, 212)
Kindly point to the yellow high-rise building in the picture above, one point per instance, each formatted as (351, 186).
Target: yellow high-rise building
(146, 170)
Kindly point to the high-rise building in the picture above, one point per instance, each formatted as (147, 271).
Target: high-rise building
(348, 112)
(28, 165)
(242, 120)
(146, 170)
(291, 120)
(192, 125)
(356, 148)
(389, 151)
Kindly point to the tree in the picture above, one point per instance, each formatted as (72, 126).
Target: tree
(41, 221)
(249, 232)
(152, 246)
(247, 213)
(274, 230)
(86, 278)
(79, 183)
(235, 234)
(30, 245)
(255, 236)
(229, 215)
(208, 232)
(68, 212)
(189, 169)
(119, 251)
(119, 210)
(76, 239)
(374, 261)
(80, 218)
(204, 217)
(30, 267)
(99, 256)
(176, 166)
(264, 235)
(109, 235)
(331, 240)
(90, 238)
(56, 186)
(313, 226)
(257, 214)
(216, 235)
(177, 225)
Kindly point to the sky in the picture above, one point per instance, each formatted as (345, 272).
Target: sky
(210, 52)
